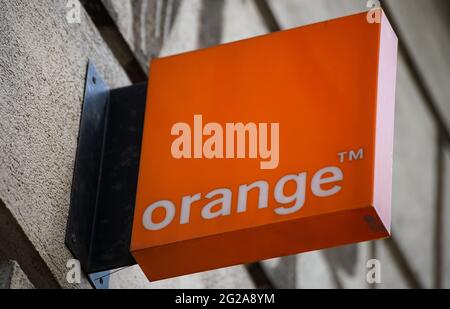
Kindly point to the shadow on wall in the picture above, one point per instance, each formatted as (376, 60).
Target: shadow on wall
(158, 18)
(344, 258)
(211, 23)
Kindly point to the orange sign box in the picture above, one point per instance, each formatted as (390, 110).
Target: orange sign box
(322, 94)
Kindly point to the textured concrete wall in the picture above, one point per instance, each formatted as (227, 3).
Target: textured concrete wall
(43, 61)
(446, 214)
(43, 64)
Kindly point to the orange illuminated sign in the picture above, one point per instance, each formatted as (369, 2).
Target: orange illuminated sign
(267, 147)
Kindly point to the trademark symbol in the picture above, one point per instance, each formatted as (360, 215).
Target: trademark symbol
(352, 155)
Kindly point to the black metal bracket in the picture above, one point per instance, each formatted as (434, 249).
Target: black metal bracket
(105, 175)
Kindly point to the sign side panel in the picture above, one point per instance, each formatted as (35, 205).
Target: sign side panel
(384, 142)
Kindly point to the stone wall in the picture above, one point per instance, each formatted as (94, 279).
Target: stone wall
(43, 62)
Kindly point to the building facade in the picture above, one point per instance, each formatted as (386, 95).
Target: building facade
(44, 50)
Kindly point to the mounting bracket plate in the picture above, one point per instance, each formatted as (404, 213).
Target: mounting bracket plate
(105, 175)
